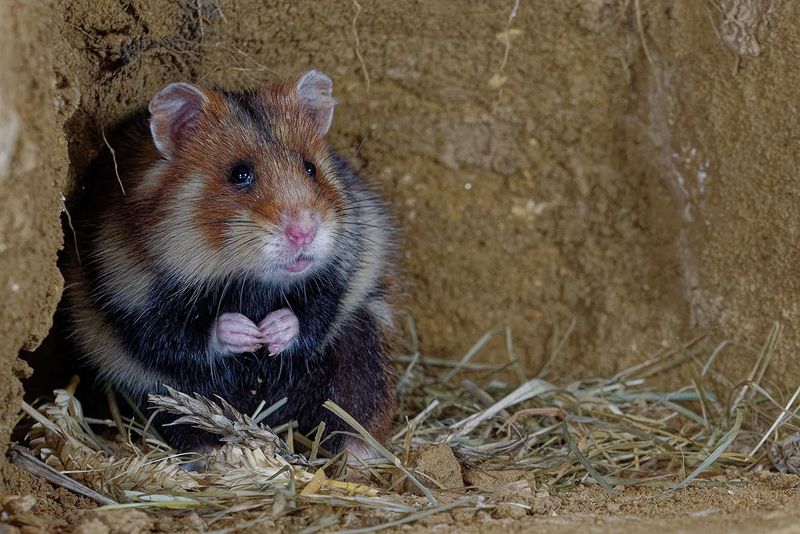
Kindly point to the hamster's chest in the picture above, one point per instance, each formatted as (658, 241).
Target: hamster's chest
(260, 377)
(250, 298)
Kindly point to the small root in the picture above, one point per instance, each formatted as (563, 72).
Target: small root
(358, 45)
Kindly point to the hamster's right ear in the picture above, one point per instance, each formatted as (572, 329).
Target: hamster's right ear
(174, 112)
(315, 90)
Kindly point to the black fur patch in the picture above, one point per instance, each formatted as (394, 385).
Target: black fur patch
(249, 108)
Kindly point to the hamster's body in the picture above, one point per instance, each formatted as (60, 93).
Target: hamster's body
(244, 259)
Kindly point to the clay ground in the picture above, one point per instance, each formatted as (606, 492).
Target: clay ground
(764, 502)
(626, 165)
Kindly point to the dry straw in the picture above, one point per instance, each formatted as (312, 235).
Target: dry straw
(614, 432)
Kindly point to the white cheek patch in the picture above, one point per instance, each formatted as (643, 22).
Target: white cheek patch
(244, 243)
(151, 179)
(273, 254)
(121, 277)
(180, 243)
(323, 243)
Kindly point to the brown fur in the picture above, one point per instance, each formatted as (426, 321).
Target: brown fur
(183, 217)
(281, 187)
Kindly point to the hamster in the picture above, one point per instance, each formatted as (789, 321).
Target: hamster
(228, 250)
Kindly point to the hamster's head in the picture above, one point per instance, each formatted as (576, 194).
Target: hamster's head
(244, 183)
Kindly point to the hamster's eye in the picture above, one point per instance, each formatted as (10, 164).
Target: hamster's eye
(242, 175)
(311, 170)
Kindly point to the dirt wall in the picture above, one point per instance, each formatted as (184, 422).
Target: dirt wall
(720, 110)
(33, 170)
(535, 156)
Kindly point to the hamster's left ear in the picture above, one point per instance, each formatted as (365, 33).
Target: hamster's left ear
(315, 90)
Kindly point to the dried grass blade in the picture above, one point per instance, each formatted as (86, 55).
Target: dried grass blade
(777, 422)
(700, 395)
(317, 441)
(532, 388)
(315, 483)
(411, 326)
(406, 378)
(585, 461)
(778, 330)
(686, 412)
(113, 407)
(139, 415)
(713, 357)
(347, 418)
(269, 411)
(25, 459)
(513, 358)
(258, 409)
(418, 419)
(724, 442)
(557, 349)
(176, 503)
(375, 503)
(42, 420)
(760, 367)
(771, 400)
(442, 362)
(468, 356)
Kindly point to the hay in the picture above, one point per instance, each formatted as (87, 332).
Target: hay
(613, 432)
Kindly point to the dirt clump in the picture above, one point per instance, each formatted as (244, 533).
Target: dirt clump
(496, 480)
(439, 466)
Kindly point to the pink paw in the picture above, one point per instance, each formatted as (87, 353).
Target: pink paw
(233, 332)
(279, 329)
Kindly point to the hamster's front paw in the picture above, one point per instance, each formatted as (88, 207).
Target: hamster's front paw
(279, 329)
(233, 332)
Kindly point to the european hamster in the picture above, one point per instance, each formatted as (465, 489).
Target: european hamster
(229, 251)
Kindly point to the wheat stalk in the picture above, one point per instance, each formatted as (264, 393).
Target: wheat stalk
(224, 420)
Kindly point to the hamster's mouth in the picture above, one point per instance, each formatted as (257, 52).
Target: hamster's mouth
(299, 264)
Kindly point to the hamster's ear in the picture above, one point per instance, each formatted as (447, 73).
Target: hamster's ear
(315, 90)
(174, 112)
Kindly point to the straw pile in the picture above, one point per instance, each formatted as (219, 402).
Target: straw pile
(613, 432)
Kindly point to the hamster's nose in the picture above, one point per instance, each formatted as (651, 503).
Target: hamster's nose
(302, 231)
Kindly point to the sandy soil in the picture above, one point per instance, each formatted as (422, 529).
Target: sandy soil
(764, 502)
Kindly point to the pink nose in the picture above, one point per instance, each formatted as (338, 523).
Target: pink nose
(301, 233)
